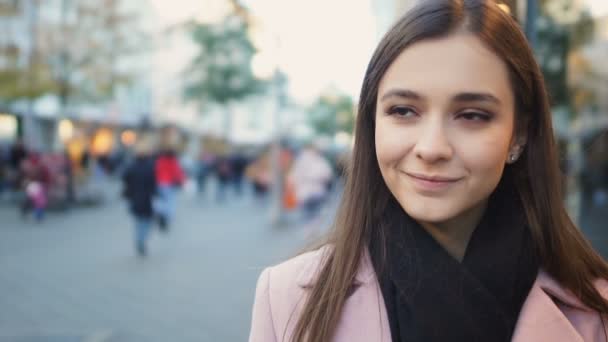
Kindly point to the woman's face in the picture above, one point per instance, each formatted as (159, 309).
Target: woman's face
(444, 127)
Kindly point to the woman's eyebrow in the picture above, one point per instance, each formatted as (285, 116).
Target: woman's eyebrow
(461, 97)
(401, 93)
(476, 97)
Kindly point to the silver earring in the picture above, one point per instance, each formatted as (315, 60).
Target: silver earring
(513, 158)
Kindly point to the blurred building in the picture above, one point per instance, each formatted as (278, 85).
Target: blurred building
(250, 121)
(588, 74)
(173, 50)
(595, 54)
(36, 40)
(17, 21)
(20, 22)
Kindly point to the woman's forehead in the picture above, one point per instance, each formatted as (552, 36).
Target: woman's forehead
(453, 64)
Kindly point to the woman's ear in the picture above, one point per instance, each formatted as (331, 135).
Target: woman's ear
(517, 146)
(520, 142)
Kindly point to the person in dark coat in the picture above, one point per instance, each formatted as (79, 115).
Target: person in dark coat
(239, 164)
(139, 190)
(17, 154)
(223, 172)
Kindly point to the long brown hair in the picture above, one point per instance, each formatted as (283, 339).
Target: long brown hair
(563, 251)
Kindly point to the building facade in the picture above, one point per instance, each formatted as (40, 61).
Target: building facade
(63, 62)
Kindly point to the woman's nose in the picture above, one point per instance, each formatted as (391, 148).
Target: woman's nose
(433, 144)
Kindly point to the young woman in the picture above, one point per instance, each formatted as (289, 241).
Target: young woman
(452, 226)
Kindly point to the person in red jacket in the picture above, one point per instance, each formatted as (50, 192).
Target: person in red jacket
(169, 178)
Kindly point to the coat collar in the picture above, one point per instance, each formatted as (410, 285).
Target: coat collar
(540, 318)
(310, 271)
(366, 274)
(552, 288)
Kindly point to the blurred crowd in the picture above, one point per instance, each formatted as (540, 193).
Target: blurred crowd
(154, 176)
(150, 174)
(42, 181)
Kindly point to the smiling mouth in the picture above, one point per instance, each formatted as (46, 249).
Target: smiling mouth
(431, 185)
(433, 178)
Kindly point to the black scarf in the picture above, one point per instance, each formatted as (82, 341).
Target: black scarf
(430, 296)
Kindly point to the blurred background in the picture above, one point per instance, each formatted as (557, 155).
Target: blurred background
(250, 105)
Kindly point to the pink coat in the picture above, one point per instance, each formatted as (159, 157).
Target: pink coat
(550, 313)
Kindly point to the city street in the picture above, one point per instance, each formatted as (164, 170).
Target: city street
(76, 277)
(218, 95)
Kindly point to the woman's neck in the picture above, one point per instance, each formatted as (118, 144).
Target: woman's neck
(454, 234)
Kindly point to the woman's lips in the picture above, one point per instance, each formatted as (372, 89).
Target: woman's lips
(431, 183)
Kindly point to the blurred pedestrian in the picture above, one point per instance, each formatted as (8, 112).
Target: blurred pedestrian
(68, 171)
(223, 174)
(17, 154)
(239, 163)
(259, 173)
(599, 155)
(170, 178)
(36, 199)
(452, 225)
(85, 160)
(4, 171)
(206, 164)
(139, 189)
(36, 180)
(310, 175)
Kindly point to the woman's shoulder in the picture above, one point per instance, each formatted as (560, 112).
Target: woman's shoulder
(298, 271)
(279, 293)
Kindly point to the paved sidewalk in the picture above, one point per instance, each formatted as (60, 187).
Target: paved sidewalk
(75, 277)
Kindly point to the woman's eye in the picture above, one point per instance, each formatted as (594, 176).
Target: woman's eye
(401, 111)
(475, 116)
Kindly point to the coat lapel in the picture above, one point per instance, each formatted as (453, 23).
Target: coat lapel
(364, 316)
(541, 319)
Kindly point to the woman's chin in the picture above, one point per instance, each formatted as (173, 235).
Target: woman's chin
(433, 211)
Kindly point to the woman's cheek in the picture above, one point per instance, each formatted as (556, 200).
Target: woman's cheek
(391, 143)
